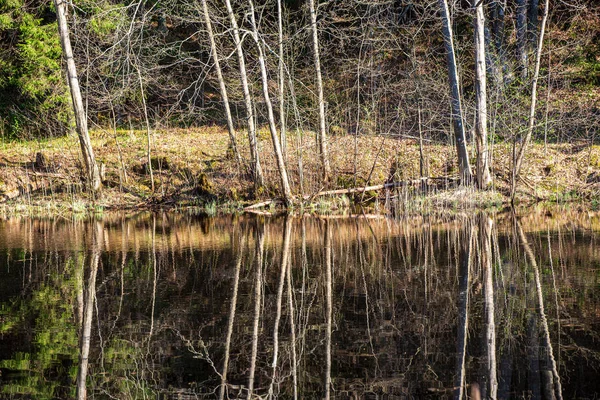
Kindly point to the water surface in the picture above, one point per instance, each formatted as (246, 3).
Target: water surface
(178, 306)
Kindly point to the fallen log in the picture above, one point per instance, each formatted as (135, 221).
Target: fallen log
(262, 204)
(366, 188)
(335, 192)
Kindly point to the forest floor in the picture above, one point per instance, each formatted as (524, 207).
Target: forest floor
(193, 167)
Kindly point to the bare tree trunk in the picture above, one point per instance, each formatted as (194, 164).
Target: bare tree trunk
(256, 169)
(148, 130)
(91, 168)
(299, 135)
(322, 126)
(532, 23)
(483, 169)
(282, 127)
(457, 118)
(499, 8)
(522, 37)
(536, 74)
(222, 87)
(498, 34)
(285, 183)
(422, 170)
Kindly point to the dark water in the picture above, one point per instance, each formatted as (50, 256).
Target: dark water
(169, 306)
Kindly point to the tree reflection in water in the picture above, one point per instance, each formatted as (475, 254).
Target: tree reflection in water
(171, 305)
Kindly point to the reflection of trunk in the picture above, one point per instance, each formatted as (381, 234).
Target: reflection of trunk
(304, 298)
(463, 316)
(533, 355)
(232, 307)
(546, 377)
(362, 261)
(292, 329)
(260, 247)
(544, 321)
(486, 260)
(92, 172)
(257, 174)
(285, 183)
(122, 280)
(329, 311)
(94, 260)
(79, 277)
(154, 278)
(222, 88)
(457, 119)
(506, 369)
(285, 255)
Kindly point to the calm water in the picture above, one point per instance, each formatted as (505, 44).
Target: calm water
(170, 306)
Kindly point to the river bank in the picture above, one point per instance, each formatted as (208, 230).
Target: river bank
(194, 168)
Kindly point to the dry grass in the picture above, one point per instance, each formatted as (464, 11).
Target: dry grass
(196, 169)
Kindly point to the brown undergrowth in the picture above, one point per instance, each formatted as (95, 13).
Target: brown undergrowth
(194, 167)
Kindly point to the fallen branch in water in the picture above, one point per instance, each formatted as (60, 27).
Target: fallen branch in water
(414, 182)
(262, 204)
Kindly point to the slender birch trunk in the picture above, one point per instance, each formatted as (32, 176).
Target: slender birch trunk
(222, 87)
(483, 169)
(92, 171)
(148, 130)
(422, 169)
(299, 136)
(457, 118)
(536, 74)
(257, 174)
(282, 126)
(285, 183)
(322, 126)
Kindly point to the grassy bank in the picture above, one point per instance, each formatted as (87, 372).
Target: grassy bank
(194, 168)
